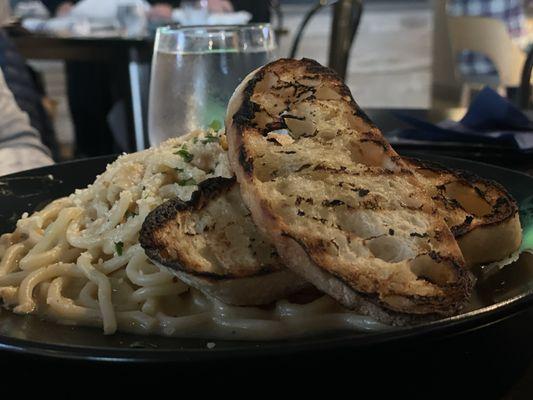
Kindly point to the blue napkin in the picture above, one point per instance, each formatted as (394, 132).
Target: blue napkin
(490, 119)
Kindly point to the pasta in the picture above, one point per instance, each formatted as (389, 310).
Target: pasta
(78, 260)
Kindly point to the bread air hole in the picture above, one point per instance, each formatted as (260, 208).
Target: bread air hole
(362, 223)
(264, 85)
(327, 93)
(467, 197)
(310, 82)
(440, 273)
(300, 127)
(327, 134)
(279, 137)
(369, 153)
(262, 119)
(390, 249)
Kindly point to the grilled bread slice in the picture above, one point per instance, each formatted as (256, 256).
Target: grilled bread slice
(481, 214)
(211, 243)
(342, 208)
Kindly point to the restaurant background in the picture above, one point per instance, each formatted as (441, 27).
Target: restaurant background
(390, 64)
(391, 67)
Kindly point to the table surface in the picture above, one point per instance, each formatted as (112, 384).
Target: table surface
(78, 48)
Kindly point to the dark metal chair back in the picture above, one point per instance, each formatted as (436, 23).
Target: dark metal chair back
(346, 18)
(524, 92)
(279, 27)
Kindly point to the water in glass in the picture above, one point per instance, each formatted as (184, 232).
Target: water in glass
(191, 86)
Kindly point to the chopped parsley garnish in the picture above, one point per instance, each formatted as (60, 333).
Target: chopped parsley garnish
(187, 182)
(187, 157)
(118, 247)
(215, 125)
(210, 139)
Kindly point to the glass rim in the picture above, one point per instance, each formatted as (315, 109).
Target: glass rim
(173, 29)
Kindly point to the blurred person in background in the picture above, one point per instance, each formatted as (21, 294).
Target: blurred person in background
(90, 85)
(92, 93)
(512, 12)
(24, 85)
(260, 9)
(28, 91)
(20, 144)
(160, 8)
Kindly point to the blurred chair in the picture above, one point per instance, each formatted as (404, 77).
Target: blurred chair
(488, 36)
(484, 35)
(445, 87)
(279, 26)
(346, 18)
(524, 93)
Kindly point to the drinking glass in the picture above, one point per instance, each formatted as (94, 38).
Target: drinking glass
(195, 71)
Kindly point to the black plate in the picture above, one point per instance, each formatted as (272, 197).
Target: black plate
(504, 294)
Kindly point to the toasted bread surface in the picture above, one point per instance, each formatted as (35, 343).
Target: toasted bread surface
(481, 214)
(342, 208)
(211, 243)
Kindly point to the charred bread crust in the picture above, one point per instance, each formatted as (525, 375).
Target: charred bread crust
(207, 190)
(243, 129)
(448, 304)
(245, 114)
(503, 206)
(165, 215)
(488, 227)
